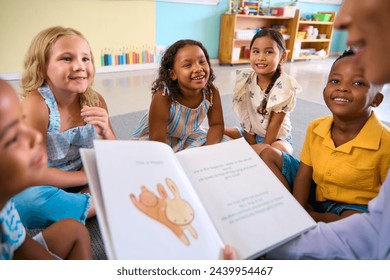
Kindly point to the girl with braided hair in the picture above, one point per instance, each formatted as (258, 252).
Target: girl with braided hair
(264, 95)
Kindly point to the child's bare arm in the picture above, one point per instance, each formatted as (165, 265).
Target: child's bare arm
(215, 119)
(158, 117)
(274, 127)
(37, 116)
(302, 183)
(65, 179)
(98, 117)
(36, 113)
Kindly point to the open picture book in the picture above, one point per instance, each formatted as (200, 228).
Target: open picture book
(153, 203)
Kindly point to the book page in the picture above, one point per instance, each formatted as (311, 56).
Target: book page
(89, 162)
(249, 206)
(152, 211)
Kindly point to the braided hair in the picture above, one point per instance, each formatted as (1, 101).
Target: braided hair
(278, 38)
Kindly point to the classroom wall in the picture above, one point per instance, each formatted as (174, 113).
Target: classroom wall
(116, 24)
(175, 21)
(202, 22)
(105, 23)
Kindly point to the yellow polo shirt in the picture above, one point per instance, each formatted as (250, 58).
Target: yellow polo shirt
(353, 172)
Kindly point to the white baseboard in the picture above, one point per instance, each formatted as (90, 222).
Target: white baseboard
(106, 69)
(127, 67)
(10, 76)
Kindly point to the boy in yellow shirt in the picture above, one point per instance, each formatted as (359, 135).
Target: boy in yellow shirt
(344, 159)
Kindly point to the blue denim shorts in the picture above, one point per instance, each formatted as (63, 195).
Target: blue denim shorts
(289, 168)
(329, 206)
(41, 206)
(260, 139)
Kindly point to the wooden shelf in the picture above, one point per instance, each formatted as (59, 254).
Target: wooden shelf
(230, 23)
(242, 40)
(308, 57)
(324, 27)
(263, 17)
(311, 22)
(315, 40)
(240, 61)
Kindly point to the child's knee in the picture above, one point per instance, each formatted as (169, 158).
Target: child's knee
(233, 132)
(72, 224)
(74, 228)
(283, 146)
(270, 155)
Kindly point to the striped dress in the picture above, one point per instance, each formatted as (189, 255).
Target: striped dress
(184, 128)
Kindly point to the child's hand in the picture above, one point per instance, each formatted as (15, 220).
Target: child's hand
(229, 253)
(98, 117)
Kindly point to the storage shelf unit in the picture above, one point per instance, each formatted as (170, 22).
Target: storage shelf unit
(230, 23)
(231, 49)
(324, 27)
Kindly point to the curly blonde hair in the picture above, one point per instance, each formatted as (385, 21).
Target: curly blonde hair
(37, 57)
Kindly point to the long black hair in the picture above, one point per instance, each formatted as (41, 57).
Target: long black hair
(164, 82)
(278, 38)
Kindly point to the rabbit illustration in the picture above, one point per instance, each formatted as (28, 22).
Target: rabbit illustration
(179, 211)
(150, 204)
(155, 207)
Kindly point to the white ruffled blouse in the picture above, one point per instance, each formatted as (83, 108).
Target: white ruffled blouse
(247, 97)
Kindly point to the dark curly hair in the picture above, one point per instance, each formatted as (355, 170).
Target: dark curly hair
(167, 62)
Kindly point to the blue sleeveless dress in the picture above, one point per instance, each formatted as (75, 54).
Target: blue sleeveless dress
(41, 206)
(184, 127)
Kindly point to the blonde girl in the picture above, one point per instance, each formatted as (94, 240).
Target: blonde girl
(60, 103)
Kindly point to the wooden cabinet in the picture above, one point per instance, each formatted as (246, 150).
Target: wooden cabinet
(232, 47)
(322, 42)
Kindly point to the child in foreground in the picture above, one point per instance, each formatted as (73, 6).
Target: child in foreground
(23, 163)
(60, 103)
(183, 96)
(344, 160)
(264, 95)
